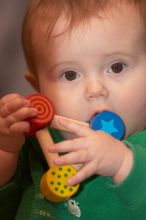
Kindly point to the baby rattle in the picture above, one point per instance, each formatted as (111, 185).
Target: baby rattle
(53, 183)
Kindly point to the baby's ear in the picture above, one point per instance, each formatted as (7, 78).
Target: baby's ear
(32, 79)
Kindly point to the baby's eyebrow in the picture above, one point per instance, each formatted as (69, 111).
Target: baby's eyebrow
(119, 53)
(62, 64)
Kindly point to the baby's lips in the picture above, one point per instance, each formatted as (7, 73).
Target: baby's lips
(45, 113)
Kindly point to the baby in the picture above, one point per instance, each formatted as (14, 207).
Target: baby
(86, 56)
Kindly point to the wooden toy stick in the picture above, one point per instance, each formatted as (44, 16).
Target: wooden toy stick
(45, 140)
(54, 123)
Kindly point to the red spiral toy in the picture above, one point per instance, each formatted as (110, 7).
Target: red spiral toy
(45, 112)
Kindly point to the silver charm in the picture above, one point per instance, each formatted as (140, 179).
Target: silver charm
(73, 207)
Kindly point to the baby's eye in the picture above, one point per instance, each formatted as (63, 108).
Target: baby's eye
(117, 67)
(70, 75)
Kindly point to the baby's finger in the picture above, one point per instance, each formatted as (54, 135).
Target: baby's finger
(69, 145)
(21, 127)
(73, 158)
(12, 106)
(84, 173)
(21, 115)
(9, 97)
(73, 127)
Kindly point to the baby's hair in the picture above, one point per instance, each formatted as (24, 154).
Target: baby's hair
(75, 12)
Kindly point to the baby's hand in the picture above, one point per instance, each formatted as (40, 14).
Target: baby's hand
(14, 110)
(97, 151)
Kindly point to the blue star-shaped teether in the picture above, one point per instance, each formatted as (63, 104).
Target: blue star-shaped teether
(108, 126)
(110, 123)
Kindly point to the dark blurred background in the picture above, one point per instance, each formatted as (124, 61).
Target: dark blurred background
(12, 62)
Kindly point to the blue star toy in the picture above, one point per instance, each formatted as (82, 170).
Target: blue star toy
(110, 123)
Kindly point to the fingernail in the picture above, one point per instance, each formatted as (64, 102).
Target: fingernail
(63, 121)
(34, 111)
(69, 182)
(57, 162)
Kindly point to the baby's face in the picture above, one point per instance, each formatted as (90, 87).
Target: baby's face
(99, 66)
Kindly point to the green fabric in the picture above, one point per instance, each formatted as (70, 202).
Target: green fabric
(98, 197)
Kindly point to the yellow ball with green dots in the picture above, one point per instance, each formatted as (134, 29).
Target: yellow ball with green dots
(54, 185)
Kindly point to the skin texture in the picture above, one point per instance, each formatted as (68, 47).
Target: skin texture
(107, 73)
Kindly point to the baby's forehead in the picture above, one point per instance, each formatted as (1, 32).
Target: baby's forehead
(109, 35)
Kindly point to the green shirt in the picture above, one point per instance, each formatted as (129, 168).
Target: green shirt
(98, 197)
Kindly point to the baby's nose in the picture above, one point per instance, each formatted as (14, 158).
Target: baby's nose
(96, 89)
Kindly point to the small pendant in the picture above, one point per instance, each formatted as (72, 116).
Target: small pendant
(73, 208)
